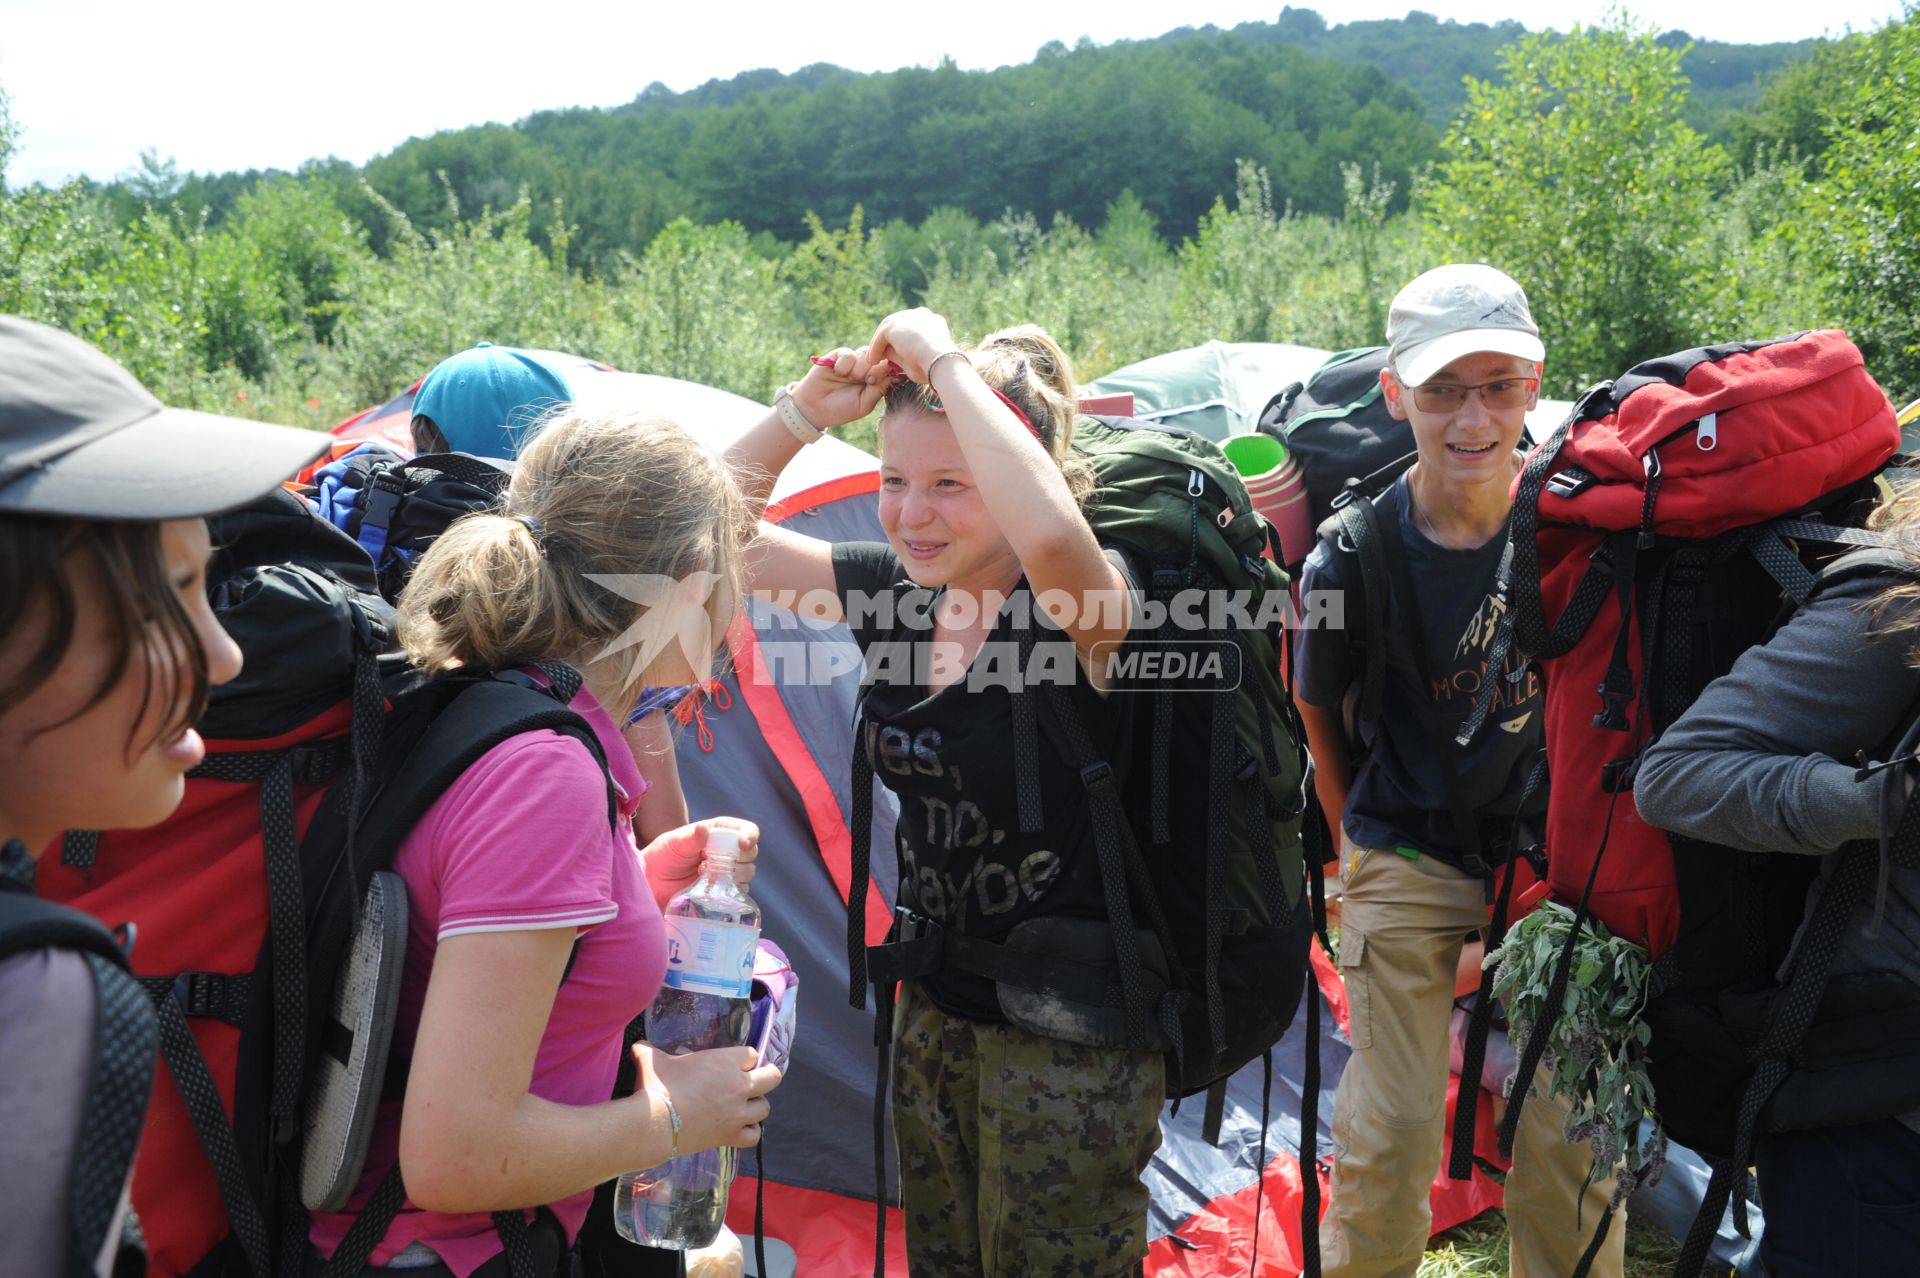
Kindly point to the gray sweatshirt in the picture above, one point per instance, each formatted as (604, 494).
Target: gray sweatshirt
(1763, 760)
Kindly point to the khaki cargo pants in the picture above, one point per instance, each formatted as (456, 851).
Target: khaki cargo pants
(1402, 924)
(1019, 1155)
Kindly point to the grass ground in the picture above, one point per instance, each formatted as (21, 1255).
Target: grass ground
(1478, 1249)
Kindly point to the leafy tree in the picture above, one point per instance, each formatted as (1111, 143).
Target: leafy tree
(156, 181)
(839, 282)
(1577, 176)
(702, 304)
(1871, 201)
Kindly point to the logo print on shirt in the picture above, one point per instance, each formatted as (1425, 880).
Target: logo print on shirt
(1478, 636)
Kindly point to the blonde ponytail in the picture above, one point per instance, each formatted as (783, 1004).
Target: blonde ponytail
(1026, 365)
(617, 548)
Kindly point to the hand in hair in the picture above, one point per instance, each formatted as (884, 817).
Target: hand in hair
(913, 339)
(672, 861)
(844, 389)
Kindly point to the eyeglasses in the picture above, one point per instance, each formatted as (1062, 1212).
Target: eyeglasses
(1445, 397)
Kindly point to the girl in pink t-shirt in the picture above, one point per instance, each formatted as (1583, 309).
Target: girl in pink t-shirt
(617, 553)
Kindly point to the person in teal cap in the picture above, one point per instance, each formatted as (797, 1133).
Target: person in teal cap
(485, 401)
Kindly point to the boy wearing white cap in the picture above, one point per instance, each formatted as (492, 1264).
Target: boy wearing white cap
(1463, 368)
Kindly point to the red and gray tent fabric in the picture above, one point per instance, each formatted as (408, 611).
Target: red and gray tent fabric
(775, 745)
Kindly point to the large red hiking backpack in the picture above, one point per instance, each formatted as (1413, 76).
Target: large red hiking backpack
(246, 898)
(1669, 524)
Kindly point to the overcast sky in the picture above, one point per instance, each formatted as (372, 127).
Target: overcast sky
(220, 84)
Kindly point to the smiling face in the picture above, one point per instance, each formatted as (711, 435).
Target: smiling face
(89, 749)
(1475, 442)
(932, 512)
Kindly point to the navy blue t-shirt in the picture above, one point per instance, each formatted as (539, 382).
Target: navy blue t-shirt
(1398, 796)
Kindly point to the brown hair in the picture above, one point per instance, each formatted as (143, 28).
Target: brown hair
(37, 558)
(604, 511)
(1026, 365)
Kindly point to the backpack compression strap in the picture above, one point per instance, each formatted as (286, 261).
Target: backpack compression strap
(122, 1071)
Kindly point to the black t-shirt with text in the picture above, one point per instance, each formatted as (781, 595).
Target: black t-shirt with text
(1398, 796)
(949, 759)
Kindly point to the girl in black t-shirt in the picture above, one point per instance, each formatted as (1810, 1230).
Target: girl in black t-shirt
(1017, 1148)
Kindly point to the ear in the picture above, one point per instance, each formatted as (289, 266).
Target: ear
(1393, 392)
(1533, 400)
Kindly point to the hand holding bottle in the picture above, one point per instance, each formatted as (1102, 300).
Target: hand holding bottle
(721, 1094)
(672, 861)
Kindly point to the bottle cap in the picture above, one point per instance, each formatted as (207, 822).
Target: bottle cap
(723, 839)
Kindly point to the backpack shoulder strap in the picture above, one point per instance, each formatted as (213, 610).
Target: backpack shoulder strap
(482, 714)
(1358, 550)
(121, 1077)
(1886, 559)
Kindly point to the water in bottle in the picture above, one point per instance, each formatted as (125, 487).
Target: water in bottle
(712, 929)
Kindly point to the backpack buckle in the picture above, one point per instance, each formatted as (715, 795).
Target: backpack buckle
(1615, 693)
(1617, 775)
(194, 992)
(1570, 482)
(1099, 772)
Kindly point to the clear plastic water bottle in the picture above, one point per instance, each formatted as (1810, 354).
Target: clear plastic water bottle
(712, 929)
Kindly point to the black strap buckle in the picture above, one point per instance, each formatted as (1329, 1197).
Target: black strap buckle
(383, 494)
(1615, 693)
(1570, 482)
(1616, 776)
(1099, 772)
(195, 992)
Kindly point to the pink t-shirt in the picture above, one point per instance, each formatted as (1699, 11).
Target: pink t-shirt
(522, 841)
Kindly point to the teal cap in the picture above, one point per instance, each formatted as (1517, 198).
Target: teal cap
(488, 400)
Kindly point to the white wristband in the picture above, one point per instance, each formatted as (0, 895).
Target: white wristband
(803, 430)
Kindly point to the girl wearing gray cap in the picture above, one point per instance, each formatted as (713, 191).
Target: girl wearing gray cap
(108, 647)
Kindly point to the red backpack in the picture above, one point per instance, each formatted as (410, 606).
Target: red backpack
(1675, 519)
(245, 900)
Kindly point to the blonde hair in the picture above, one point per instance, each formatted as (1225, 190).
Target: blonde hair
(1026, 365)
(614, 525)
(1897, 608)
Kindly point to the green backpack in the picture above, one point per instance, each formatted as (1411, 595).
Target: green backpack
(1237, 932)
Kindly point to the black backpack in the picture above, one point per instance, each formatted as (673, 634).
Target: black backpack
(121, 1076)
(1337, 428)
(301, 599)
(395, 508)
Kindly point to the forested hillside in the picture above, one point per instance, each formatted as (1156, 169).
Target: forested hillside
(1063, 133)
(1134, 199)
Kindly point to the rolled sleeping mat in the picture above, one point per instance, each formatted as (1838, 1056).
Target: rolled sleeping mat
(1278, 488)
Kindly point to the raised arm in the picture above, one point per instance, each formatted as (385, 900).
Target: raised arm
(1020, 482)
(784, 566)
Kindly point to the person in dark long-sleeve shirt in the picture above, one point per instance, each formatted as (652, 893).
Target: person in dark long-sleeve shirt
(1767, 760)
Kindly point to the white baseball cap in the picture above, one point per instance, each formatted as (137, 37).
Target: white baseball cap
(1455, 310)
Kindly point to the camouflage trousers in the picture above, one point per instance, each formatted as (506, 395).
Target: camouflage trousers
(1019, 1155)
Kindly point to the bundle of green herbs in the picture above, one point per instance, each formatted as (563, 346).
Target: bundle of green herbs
(1597, 1046)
